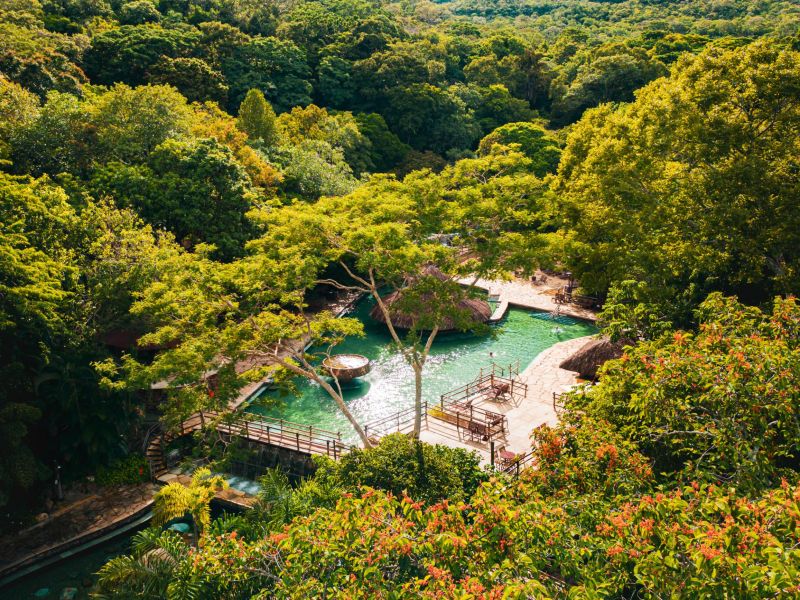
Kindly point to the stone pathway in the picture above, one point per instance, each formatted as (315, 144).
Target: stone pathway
(96, 510)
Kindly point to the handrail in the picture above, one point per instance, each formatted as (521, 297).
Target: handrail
(402, 417)
(519, 465)
(285, 424)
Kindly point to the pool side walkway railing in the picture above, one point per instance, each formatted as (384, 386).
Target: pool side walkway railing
(307, 439)
(400, 422)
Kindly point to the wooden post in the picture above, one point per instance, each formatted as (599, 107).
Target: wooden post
(491, 453)
(298, 440)
(268, 434)
(328, 447)
(202, 420)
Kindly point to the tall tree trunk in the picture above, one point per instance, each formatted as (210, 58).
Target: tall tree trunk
(417, 399)
(418, 363)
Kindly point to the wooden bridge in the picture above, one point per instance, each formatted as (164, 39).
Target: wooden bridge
(269, 431)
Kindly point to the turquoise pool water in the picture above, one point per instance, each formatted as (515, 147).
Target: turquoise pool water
(455, 359)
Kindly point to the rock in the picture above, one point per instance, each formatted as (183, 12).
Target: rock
(41, 593)
(69, 593)
(42, 517)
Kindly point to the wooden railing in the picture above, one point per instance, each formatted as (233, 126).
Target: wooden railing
(481, 424)
(518, 465)
(558, 404)
(264, 430)
(396, 422)
(487, 386)
(287, 434)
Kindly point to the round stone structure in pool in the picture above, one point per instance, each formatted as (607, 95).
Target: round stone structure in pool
(455, 359)
(346, 367)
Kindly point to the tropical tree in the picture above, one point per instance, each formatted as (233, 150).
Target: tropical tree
(257, 118)
(176, 500)
(197, 190)
(715, 404)
(704, 162)
(384, 234)
(534, 142)
(215, 318)
(150, 571)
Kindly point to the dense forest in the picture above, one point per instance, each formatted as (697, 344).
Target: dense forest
(177, 177)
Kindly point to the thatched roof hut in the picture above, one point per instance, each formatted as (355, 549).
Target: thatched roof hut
(478, 309)
(592, 355)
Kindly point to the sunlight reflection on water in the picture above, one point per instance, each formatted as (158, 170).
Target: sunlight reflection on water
(455, 360)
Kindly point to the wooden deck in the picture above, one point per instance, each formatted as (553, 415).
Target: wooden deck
(306, 439)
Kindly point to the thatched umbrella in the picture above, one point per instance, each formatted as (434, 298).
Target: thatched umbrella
(592, 355)
(478, 309)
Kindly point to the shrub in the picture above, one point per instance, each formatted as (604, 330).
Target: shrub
(401, 465)
(129, 470)
(715, 405)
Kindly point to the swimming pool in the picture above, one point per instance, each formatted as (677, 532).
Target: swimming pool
(455, 359)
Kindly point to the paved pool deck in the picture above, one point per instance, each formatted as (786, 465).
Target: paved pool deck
(537, 296)
(543, 377)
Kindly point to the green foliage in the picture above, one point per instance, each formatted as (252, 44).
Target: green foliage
(386, 149)
(339, 130)
(148, 571)
(512, 541)
(583, 456)
(175, 500)
(276, 67)
(192, 77)
(256, 118)
(534, 142)
(402, 465)
(126, 54)
(627, 314)
(19, 468)
(429, 118)
(139, 12)
(313, 169)
(689, 189)
(716, 404)
(195, 190)
(610, 73)
(39, 60)
(17, 108)
(279, 503)
(120, 124)
(132, 469)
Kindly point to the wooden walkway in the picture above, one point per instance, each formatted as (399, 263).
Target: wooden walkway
(306, 439)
